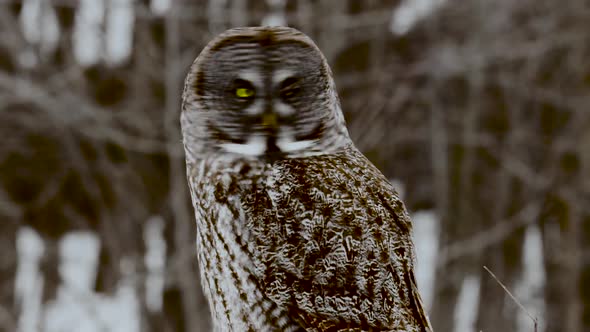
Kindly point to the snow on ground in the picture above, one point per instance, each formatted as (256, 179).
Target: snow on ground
(155, 263)
(529, 290)
(426, 234)
(76, 307)
(28, 287)
(467, 305)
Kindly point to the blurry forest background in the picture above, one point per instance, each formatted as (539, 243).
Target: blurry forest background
(479, 111)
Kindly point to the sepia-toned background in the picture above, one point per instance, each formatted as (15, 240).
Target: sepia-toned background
(477, 110)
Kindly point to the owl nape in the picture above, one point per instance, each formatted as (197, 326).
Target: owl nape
(296, 229)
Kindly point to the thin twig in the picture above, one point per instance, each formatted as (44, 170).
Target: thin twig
(534, 319)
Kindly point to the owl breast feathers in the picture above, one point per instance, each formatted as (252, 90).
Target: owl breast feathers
(296, 229)
(328, 238)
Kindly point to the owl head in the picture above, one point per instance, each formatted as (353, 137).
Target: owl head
(261, 92)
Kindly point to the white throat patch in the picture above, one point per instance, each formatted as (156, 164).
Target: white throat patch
(255, 146)
(287, 144)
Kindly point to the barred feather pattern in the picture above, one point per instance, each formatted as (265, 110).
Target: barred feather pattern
(317, 243)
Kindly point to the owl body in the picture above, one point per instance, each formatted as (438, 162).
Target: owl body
(317, 242)
(296, 229)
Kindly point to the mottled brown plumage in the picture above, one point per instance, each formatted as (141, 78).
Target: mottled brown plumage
(296, 229)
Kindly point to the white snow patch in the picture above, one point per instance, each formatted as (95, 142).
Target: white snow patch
(276, 17)
(467, 305)
(77, 308)
(155, 261)
(79, 260)
(30, 20)
(119, 30)
(529, 290)
(410, 12)
(87, 38)
(274, 20)
(28, 288)
(39, 24)
(40, 27)
(426, 239)
(160, 7)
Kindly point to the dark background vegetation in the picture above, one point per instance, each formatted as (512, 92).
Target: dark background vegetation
(482, 110)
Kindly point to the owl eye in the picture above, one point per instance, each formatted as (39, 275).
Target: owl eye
(244, 89)
(290, 87)
(244, 92)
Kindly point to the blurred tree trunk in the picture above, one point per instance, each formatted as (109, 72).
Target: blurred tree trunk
(561, 252)
(505, 198)
(184, 237)
(585, 231)
(449, 276)
(561, 221)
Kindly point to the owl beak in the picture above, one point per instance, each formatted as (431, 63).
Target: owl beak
(269, 120)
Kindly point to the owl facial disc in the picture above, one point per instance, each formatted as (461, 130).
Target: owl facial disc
(268, 118)
(264, 92)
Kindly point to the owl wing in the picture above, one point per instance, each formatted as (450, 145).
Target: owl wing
(333, 245)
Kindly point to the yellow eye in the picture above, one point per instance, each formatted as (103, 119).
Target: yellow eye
(244, 92)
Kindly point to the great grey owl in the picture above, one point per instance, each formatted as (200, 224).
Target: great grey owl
(296, 229)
